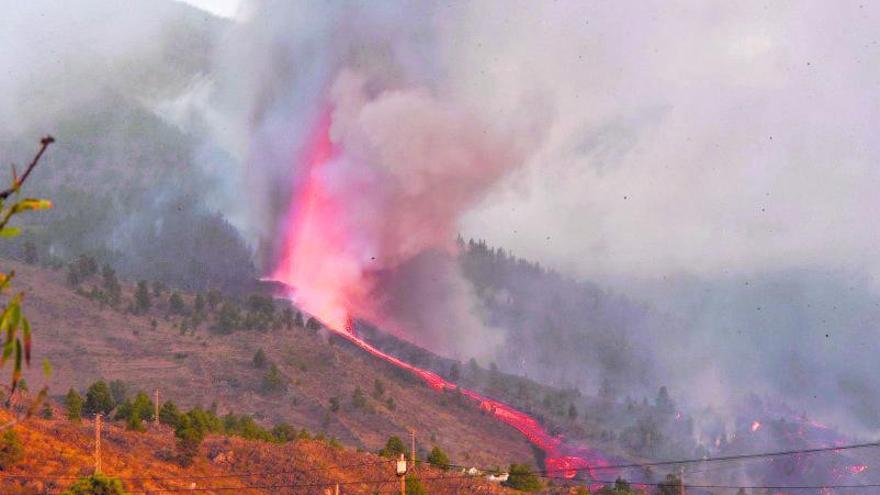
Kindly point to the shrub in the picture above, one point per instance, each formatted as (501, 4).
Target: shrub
(273, 381)
(176, 305)
(98, 399)
(438, 458)
(96, 484)
(378, 388)
(47, 412)
(334, 404)
(414, 486)
(141, 408)
(522, 478)
(73, 404)
(313, 324)
(169, 414)
(11, 449)
(189, 438)
(358, 398)
(119, 391)
(142, 298)
(393, 448)
(259, 360)
(228, 319)
(283, 432)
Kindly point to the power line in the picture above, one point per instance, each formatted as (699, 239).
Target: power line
(736, 457)
(465, 476)
(194, 477)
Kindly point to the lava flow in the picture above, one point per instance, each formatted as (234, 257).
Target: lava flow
(320, 262)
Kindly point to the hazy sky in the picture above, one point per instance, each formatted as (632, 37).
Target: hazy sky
(225, 8)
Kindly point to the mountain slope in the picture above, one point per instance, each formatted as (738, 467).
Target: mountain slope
(85, 342)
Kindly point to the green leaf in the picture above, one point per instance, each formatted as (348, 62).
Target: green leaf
(16, 371)
(47, 368)
(7, 351)
(31, 204)
(26, 334)
(10, 231)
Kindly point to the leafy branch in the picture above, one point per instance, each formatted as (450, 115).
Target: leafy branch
(15, 328)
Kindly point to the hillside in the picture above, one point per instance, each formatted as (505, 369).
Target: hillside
(86, 340)
(59, 451)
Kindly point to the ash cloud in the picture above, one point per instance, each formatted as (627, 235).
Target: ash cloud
(685, 142)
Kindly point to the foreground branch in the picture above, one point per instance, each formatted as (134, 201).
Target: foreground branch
(16, 184)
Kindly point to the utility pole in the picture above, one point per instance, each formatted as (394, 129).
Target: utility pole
(156, 406)
(97, 443)
(681, 478)
(401, 473)
(412, 453)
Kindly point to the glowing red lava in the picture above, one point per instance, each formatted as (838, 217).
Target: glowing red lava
(317, 262)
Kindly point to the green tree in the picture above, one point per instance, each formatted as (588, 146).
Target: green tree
(393, 448)
(378, 388)
(96, 484)
(119, 391)
(313, 324)
(572, 412)
(169, 414)
(158, 288)
(522, 478)
(287, 318)
(334, 404)
(214, 298)
(228, 319)
(11, 449)
(259, 360)
(98, 399)
(199, 304)
(176, 305)
(670, 486)
(141, 408)
(663, 402)
(298, 319)
(454, 372)
(438, 458)
(414, 486)
(73, 404)
(111, 286)
(273, 380)
(358, 398)
(142, 300)
(189, 438)
(620, 487)
(283, 432)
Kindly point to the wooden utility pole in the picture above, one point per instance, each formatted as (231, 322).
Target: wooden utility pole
(412, 453)
(97, 443)
(681, 479)
(156, 416)
(400, 470)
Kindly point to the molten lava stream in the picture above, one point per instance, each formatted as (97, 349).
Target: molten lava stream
(559, 460)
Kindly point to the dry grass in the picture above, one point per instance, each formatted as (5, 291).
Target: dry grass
(85, 342)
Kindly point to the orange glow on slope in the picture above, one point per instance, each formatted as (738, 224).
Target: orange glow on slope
(316, 262)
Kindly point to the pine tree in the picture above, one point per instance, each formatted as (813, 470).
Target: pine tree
(73, 404)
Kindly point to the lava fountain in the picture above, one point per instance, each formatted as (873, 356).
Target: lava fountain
(325, 274)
